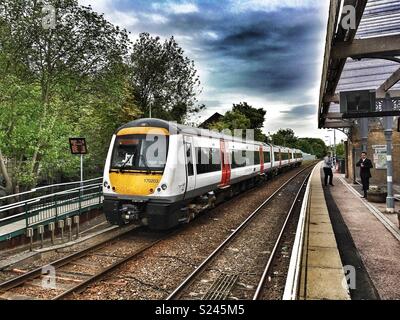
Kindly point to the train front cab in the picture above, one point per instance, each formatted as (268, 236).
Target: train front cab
(136, 183)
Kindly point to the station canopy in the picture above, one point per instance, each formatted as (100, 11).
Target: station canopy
(364, 58)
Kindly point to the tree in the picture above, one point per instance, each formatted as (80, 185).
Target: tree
(340, 150)
(313, 146)
(163, 79)
(243, 117)
(51, 83)
(285, 138)
(232, 120)
(256, 118)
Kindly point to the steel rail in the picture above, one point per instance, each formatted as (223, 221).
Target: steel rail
(188, 280)
(261, 283)
(81, 286)
(20, 280)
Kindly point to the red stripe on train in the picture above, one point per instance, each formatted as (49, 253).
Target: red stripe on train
(226, 168)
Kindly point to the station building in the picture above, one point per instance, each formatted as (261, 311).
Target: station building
(363, 58)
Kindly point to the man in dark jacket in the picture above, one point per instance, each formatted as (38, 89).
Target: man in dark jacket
(365, 165)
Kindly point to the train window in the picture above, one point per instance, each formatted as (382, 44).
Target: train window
(140, 152)
(277, 156)
(208, 160)
(189, 159)
(238, 159)
(215, 156)
(256, 157)
(267, 157)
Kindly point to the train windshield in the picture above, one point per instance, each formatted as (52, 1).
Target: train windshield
(140, 152)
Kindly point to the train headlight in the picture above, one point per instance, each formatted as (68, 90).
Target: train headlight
(164, 187)
(106, 185)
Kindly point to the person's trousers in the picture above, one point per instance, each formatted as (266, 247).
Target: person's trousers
(365, 184)
(328, 173)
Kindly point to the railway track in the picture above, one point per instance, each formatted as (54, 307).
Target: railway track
(75, 272)
(248, 282)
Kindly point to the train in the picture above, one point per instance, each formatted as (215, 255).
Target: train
(161, 174)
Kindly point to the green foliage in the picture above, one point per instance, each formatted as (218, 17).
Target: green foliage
(243, 117)
(163, 79)
(340, 151)
(284, 138)
(78, 79)
(232, 120)
(58, 83)
(255, 116)
(313, 146)
(287, 138)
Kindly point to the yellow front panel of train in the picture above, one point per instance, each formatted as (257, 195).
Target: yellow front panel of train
(134, 184)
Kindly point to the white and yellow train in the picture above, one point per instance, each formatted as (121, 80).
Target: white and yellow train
(160, 174)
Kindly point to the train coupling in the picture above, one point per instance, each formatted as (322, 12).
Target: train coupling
(131, 212)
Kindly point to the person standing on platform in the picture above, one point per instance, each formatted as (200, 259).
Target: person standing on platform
(365, 173)
(328, 170)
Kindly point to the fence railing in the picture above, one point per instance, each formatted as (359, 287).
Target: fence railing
(42, 191)
(51, 207)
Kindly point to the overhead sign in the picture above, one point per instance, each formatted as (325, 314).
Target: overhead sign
(356, 102)
(78, 145)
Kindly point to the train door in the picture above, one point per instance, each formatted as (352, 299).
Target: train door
(225, 164)
(190, 164)
(272, 157)
(262, 159)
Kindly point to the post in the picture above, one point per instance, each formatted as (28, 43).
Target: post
(61, 226)
(388, 125)
(76, 221)
(353, 155)
(41, 232)
(81, 170)
(29, 234)
(68, 222)
(346, 157)
(52, 229)
(364, 134)
(334, 144)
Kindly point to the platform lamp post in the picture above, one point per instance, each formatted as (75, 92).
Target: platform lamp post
(388, 126)
(364, 134)
(334, 143)
(329, 142)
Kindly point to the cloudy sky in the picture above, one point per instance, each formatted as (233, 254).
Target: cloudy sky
(265, 52)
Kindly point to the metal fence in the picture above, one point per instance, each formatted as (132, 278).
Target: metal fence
(41, 206)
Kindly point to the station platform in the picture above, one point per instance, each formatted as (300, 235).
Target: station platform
(368, 238)
(323, 275)
(350, 247)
